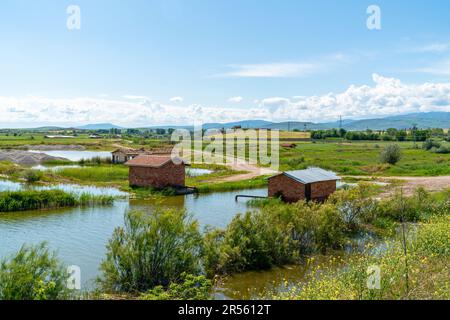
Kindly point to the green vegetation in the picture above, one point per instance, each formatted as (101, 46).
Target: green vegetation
(34, 273)
(97, 175)
(278, 233)
(435, 146)
(32, 176)
(152, 249)
(162, 255)
(211, 186)
(417, 269)
(414, 134)
(47, 199)
(391, 154)
(362, 158)
(190, 287)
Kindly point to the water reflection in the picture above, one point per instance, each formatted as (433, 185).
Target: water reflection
(75, 155)
(80, 235)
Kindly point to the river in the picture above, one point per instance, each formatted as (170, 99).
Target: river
(80, 235)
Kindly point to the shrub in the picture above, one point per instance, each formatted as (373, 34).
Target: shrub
(152, 249)
(33, 274)
(32, 176)
(443, 150)
(275, 235)
(356, 205)
(430, 144)
(250, 242)
(190, 288)
(391, 154)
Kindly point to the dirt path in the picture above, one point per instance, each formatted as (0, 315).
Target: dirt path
(252, 171)
(409, 184)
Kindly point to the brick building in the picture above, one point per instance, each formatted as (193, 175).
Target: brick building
(156, 171)
(311, 184)
(123, 155)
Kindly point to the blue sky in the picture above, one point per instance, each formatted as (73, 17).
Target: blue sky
(173, 61)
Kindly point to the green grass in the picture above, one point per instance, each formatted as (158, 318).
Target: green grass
(207, 187)
(48, 199)
(26, 138)
(113, 174)
(362, 158)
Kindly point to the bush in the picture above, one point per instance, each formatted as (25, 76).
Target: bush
(443, 150)
(430, 144)
(32, 176)
(152, 249)
(391, 154)
(355, 206)
(190, 288)
(275, 235)
(33, 274)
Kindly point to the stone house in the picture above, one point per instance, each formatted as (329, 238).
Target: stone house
(312, 184)
(156, 171)
(123, 155)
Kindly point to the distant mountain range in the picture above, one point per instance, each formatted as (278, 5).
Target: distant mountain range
(421, 120)
(99, 126)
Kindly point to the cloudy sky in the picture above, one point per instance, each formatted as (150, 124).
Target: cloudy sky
(152, 62)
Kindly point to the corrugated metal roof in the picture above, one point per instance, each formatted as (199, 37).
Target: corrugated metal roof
(312, 175)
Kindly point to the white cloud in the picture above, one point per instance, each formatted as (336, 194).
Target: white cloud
(271, 70)
(437, 47)
(235, 99)
(386, 96)
(285, 69)
(441, 68)
(177, 99)
(134, 97)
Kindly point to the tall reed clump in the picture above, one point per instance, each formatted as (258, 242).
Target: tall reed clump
(47, 199)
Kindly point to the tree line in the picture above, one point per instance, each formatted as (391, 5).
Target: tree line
(391, 134)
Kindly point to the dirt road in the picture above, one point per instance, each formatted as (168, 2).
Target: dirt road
(251, 170)
(409, 184)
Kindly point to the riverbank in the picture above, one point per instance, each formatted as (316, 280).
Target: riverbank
(16, 201)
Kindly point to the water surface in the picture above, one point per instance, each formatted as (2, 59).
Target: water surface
(74, 155)
(80, 235)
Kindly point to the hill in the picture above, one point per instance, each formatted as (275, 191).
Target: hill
(99, 126)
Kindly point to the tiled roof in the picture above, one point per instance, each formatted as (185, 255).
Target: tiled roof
(151, 161)
(128, 151)
(312, 175)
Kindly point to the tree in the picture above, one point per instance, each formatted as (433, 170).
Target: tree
(152, 249)
(391, 154)
(33, 274)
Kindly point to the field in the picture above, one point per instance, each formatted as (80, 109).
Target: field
(363, 158)
(25, 139)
